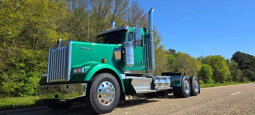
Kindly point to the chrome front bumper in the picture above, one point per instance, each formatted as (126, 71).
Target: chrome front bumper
(63, 91)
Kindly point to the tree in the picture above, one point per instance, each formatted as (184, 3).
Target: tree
(136, 15)
(172, 51)
(219, 66)
(183, 63)
(27, 29)
(246, 63)
(200, 58)
(236, 73)
(160, 55)
(103, 12)
(205, 73)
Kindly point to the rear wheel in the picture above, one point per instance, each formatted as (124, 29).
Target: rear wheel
(184, 90)
(103, 93)
(195, 87)
(58, 105)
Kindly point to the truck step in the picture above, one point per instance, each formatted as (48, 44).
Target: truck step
(141, 84)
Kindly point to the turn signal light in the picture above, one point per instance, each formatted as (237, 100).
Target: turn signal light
(44, 75)
(103, 60)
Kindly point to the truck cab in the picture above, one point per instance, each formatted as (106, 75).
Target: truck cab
(120, 62)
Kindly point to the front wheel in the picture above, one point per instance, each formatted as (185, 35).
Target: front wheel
(103, 93)
(58, 105)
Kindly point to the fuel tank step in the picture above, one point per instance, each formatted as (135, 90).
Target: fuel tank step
(141, 84)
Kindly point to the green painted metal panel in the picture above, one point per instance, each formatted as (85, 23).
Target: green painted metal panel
(138, 56)
(89, 55)
(84, 51)
(91, 69)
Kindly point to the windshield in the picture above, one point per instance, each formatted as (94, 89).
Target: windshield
(116, 37)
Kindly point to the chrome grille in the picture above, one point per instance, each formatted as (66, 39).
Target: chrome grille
(58, 64)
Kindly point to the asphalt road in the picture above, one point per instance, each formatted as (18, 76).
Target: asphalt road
(226, 100)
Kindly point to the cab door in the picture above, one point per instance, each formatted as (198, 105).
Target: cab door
(137, 39)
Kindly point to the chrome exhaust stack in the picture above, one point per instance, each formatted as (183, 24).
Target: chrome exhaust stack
(113, 24)
(151, 19)
(151, 41)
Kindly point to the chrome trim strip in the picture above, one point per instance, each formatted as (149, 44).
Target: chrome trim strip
(63, 91)
(64, 61)
(69, 60)
(48, 65)
(134, 71)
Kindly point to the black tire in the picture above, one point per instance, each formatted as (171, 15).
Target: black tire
(57, 105)
(99, 101)
(195, 87)
(184, 90)
(176, 92)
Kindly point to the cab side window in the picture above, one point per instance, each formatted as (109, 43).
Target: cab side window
(136, 41)
(131, 37)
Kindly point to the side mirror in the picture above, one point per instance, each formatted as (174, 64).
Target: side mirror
(129, 53)
(138, 36)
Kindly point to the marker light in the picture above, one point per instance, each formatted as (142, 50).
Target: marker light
(103, 60)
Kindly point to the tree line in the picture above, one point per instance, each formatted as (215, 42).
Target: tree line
(29, 27)
(214, 68)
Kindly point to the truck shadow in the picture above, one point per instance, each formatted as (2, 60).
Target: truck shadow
(170, 96)
(82, 109)
(132, 103)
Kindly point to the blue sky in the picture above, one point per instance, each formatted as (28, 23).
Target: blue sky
(205, 27)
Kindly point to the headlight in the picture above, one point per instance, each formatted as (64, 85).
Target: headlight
(78, 70)
(44, 75)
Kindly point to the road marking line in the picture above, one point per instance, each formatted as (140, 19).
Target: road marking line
(235, 93)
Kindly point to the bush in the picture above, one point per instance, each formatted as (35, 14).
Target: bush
(20, 84)
(206, 73)
(21, 72)
(201, 82)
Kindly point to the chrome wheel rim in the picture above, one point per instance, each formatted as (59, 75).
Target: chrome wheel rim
(196, 85)
(106, 93)
(186, 86)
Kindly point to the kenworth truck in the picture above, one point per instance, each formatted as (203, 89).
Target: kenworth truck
(101, 74)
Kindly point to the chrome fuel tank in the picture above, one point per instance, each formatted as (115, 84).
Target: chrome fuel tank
(161, 82)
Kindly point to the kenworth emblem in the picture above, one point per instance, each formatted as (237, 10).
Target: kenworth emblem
(85, 48)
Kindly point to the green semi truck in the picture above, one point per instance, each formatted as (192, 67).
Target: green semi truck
(101, 74)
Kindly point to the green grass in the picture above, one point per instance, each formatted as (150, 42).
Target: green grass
(19, 102)
(222, 84)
